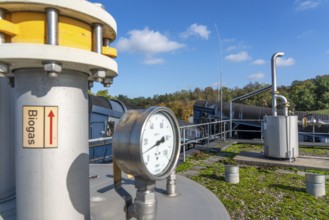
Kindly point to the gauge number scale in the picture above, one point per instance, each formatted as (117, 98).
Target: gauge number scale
(157, 143)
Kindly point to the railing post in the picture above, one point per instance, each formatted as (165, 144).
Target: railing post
(224, 131)
(184, 146)
(231, 118)
(208, 136)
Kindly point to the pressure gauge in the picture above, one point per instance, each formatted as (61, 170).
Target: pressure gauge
(146, 143)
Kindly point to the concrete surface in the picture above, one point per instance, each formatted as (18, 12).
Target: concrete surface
(302, 162)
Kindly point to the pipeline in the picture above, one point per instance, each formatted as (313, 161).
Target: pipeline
(274, 86)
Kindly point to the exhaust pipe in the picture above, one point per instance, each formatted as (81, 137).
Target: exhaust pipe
(274, 88)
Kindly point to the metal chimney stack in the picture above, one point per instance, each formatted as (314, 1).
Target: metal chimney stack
(280, 132)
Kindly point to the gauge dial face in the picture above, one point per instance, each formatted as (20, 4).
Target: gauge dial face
(157, 141)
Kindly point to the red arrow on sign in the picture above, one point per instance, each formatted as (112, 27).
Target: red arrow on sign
(51, 115)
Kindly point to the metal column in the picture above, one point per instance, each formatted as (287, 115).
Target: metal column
(51, 68)
(42, 181)
(7, 149)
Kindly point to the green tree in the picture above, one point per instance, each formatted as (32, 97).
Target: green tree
(104, 93)
(302, 95)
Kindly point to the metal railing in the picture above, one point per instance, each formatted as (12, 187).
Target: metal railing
(202, 134)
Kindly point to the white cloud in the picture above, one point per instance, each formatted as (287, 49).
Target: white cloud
(196, 30)
(258, 62)
(308, 4)
(285, 62)
(239, 46)
(153, 61)
(256, 76)
(147, 41)
(238, 57)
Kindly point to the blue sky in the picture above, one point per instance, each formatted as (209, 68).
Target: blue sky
(167, 46)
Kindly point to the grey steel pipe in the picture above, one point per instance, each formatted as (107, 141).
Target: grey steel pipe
(52, 169)
(171, 184)
(97, 38)
(52, 26)
(274, 86)
(285, 101)
(7, 149)
(2, 16)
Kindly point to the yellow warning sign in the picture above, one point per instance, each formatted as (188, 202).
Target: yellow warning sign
(40, 126)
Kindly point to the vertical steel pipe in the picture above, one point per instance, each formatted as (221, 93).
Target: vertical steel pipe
(274, 86)
(52, 26)
(7, 149)
(52, 182)
(231, 119)
(2, 16)
(97, 38)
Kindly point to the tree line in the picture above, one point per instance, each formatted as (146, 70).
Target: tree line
(307, 95)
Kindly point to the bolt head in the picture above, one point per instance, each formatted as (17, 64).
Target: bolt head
(4, 68)
(53, 67)
(98, 75)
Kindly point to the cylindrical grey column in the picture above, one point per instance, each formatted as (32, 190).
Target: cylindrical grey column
(232, 174)
(97, 37)
(52, 183)
(52, 26)
(2, 36)
(315, 184)
(7, 146)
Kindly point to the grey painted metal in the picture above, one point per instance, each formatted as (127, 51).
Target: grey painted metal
(193, 202)
(245, 96)
(232, 174)
(315, 184)
(281, 137)
(251, 94)
(52, 26)
(2, 16)
(97, 37)
(52, 183)
(274, 87)
(7, 149)
(285, 101)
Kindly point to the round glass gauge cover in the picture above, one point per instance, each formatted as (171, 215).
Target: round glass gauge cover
(157, 143)
(146, 143)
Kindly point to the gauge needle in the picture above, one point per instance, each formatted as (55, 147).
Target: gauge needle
(162, 140)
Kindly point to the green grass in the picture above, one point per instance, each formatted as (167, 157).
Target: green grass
(262, 193)
(194, 160)
(314, 151)
(323, 112)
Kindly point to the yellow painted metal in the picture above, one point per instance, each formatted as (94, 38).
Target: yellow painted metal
(30, 27)
(74, 33)
(110, 51)
(8, 28)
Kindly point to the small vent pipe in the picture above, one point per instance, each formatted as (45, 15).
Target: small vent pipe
(274, 88)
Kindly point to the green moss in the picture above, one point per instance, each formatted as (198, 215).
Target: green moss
(314, 151)
(262, 193)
